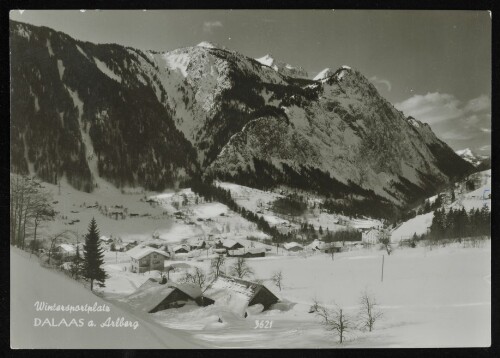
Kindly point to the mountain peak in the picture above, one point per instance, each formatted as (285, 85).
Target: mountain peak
(208, 44)
(282, 67)
(328, 72)
(267, 60)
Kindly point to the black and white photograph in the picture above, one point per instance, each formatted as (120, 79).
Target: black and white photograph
(200, 179)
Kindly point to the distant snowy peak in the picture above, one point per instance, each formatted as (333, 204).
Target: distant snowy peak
(283, 68)
(328, 73)
(266, 60)
(468, 155)
(208, 44)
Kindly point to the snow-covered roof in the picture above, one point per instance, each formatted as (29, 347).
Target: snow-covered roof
(150, 295)
(67, 248)
(144, 251)
(290, 245)
(196, 242)
(105, 239)
(229, 243)
(315, 244)
(232, 292)
(179, 247)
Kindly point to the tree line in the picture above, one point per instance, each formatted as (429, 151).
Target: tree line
(211, 192)
(458, 223)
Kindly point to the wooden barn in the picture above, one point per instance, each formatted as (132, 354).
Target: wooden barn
(238, 294)
(152, 296)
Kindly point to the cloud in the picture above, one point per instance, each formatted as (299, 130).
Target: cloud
(460, 123)
(381, 81)
(209, 26)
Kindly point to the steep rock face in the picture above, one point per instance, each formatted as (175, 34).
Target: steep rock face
(157, 118)
(350, 133)
(83, 110)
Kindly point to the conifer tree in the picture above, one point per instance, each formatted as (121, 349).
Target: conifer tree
(93, 256)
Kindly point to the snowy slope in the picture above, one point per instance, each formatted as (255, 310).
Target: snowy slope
(423, 304)
(474, 199)
(47, 287)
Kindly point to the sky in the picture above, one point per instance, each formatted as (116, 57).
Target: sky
(433, 65)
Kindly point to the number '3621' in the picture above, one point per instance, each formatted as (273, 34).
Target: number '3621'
(262, 324)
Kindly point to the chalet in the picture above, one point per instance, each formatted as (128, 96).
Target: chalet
(106, 240)
(293, 246)
(152, 296)
(197, 244)
(237, 294)
(251, 252)
(370, 236)
(316, 245)
(329, 247)
(229, 244)
(180, 249)
(65, 250)
(145, 258)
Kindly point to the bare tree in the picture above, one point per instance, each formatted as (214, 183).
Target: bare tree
(369, 312)
(197, 277)
(335, 320)
(54, 239)
(385, 240)
(241, 269)
(216, 266)
(277, 279)
(29, 205)
(315, 306)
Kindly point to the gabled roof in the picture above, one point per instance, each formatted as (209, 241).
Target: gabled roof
(151, 294)
(289, 245)
(178, 247)
(140, 252)
(230, 243)
(232, 292)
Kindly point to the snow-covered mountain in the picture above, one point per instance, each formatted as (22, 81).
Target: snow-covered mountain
(158, 118)
(282, 67)
(468, 155)
(324, 74)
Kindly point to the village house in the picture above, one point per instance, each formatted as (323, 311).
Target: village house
(106, 240)
(65, 250)
(197, 244)
(181, 249)
(237, 294)
(250, 252)
(152, 296)
(229, 244)
(293, 246)
(145, 258)
(370, 236)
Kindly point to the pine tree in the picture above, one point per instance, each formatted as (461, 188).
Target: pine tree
(93, 256)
